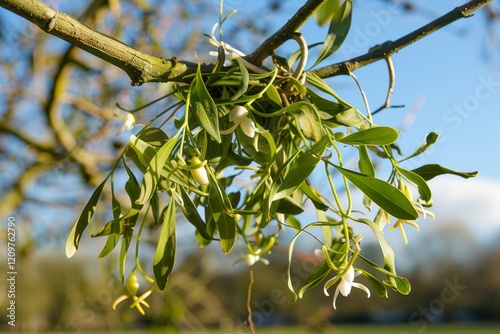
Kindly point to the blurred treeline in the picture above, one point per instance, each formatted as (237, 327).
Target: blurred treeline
(65, 296)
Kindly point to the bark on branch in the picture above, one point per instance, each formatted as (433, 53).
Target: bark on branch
(388, 48)
(285, 33)
(142, 67)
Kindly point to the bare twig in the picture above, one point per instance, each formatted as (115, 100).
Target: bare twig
(251, 325)
(388, 48)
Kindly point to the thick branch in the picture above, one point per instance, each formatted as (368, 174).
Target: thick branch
(139, 66)
(388, 48)
(285, 33)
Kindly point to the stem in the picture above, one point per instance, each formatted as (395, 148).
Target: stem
(388, 48)
(365, 99)
(304, 55)
(251, 325)
(285, 33)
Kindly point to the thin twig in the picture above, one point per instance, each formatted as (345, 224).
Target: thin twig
(251, 325)
(389, 48)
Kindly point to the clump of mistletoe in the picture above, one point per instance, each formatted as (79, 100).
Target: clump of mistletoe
(274, 126)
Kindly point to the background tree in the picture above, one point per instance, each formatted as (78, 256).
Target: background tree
(66, 137)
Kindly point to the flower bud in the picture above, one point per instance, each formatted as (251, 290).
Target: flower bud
(251, 259)
(200, 173)
(132, 284)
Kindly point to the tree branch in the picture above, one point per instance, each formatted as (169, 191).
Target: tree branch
(142, 67)
(139, 66)
(284, 33)
(388, 48)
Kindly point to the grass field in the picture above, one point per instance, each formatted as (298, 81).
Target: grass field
(343, 329)
(385, 329)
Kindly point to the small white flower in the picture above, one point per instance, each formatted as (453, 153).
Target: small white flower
(345, 285)
(251, 259)
(231, 52)
(128, 122)
(239, 116)
(235, 53)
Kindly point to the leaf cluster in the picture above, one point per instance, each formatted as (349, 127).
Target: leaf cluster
(258, 185)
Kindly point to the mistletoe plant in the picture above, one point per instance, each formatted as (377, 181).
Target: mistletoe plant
(274, 127)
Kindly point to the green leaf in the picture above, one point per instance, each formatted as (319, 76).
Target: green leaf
(350, 118)
(313, 195)
(387, 251)
(380, 288)
(133, 191)
(340, 113)
(191, 213)
(221, 59)
(309, 119)
(320, 272)
(267, 147)
(273, 95)
(244, 80)
(289, 207)
(375, 136)
(428, 172)
(423, 188)
(330, 108)
(153, 172)
(339, 27)
(164, 258)
(326, 11)
(116, 207)
(126, 239)
(153, 136)
(204, 108)
(155, 208)
(142, 153)
(430, 140)
(293, 222)
(221, 209)
(114, 236)
(366, 167)
(400, 284)
(313, 79)
(108, 229)
(82, 222)
(386, 196)
(301, 168)
(365, 164)
(317, 275)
